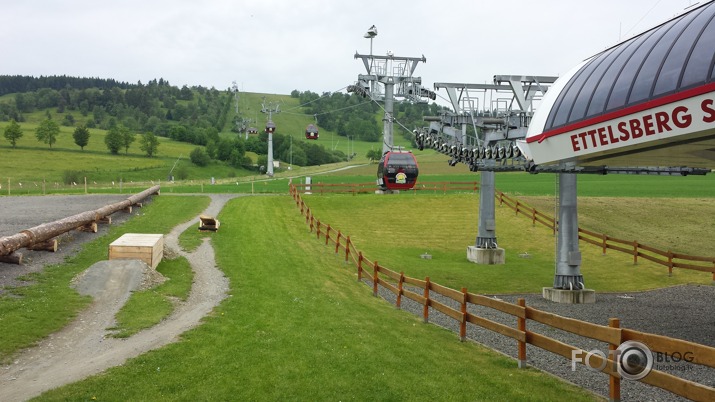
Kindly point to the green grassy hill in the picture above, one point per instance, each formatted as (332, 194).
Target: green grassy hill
(33, 161)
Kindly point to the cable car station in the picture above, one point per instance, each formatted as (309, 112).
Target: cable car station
(643, 106)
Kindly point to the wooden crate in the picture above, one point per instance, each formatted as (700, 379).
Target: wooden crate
(141, 246)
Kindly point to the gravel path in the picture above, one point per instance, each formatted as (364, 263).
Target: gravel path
(684, 312)
(83, 348)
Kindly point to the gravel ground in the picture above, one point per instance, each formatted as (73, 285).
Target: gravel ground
(20, 213)
(684, 312)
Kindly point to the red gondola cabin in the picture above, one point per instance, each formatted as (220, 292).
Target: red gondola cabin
(311, 132)
(397, 170)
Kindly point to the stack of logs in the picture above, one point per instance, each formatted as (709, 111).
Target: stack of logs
(42, 237)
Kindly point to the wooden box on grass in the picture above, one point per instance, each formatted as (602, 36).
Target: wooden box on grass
(141, 246)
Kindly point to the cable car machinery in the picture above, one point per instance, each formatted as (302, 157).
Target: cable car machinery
(498, 124)
(389, 77)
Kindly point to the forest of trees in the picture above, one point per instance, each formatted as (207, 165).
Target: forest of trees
(195, 115)
(156, 107)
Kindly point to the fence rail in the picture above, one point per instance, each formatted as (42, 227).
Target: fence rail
(612, 334)
(634, 248)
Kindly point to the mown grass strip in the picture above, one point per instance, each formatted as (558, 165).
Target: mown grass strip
(146, 308)
(298, 326)
(397, 230)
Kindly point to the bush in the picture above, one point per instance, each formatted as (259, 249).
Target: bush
(72, 176)
(182, 172)
(199, 157)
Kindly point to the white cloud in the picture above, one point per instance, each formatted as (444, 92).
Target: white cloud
(275, 46)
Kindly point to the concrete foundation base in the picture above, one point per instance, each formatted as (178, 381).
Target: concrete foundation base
(486, 256)
(585, 296)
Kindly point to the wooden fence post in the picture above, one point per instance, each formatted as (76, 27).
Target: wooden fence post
(635, 252)
(374, 279)
(554, 225)
(533, 217)
(604, 245)
(360, 257)
(614, 383)
(307, 216)
(670, 263)
(463, 324)
(317, 231)
(347, 249)
(337, 242)
(327, 235)
(399, 290)
(521, 326)
(425, 308)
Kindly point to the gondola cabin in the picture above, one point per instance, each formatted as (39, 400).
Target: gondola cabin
(311, 132)
(397, 170)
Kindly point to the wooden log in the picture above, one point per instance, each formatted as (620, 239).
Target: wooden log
(106, 220)
(14, 258)
(128, 209)
(49, 245)
(49, 230)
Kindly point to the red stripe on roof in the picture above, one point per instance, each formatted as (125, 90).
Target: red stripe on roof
(678, 96)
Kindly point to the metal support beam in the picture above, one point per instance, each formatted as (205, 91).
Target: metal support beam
(568, 257)
(387, 142)
(486, 234)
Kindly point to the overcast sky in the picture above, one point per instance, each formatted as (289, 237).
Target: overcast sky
(275, 46)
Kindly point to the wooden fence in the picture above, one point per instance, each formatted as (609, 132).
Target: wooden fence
(605, 242)
(422, 291)
(369, 187)
(667, 259)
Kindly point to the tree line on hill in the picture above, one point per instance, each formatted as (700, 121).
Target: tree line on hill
(194, 115)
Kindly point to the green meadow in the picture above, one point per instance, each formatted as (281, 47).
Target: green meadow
(297, 325)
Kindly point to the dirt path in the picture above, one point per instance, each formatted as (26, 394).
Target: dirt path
(83, 348)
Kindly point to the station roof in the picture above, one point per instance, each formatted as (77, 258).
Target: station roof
(674, 57)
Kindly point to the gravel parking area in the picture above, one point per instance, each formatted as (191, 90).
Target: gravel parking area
(20, 213)
(684, 312)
